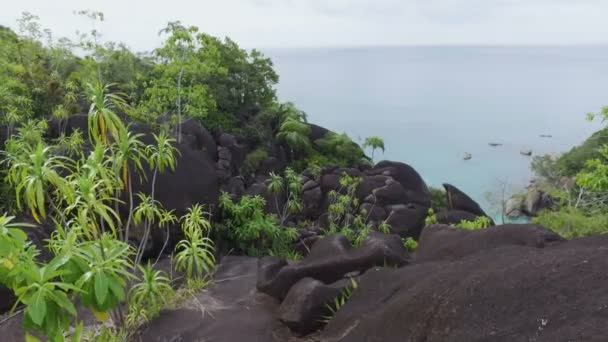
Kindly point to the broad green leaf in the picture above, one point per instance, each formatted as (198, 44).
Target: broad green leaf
(117, 290)
(77, 335)
(37, 307)
(101, 287)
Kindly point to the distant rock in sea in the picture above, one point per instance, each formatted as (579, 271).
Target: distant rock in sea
(526, 152)
(495, 144)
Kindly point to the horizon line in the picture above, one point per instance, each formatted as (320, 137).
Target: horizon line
(519, 45)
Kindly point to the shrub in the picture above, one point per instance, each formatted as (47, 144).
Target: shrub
(340, 300)
(546, 167)
(570, 222)
(431, 218)
(196, 252)
(573, 161)
(410, 244)
(439, 200)
(252, 230)
(289, 185)
(150, 295)
(340, 148)
(343, 205)
(480, 222)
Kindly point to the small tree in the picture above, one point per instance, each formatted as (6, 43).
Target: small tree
(374, 143)
(295, 134)
(103, 118)
(161, 156)
(128, 150)
(195, 253)
(291, 187)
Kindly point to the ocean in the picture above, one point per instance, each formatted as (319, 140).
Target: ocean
(431, 105)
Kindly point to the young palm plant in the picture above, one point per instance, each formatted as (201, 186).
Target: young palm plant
(103, 119)
(295, 134)
(61, 114)
(375, 143)
(12, 117)
(33, 177)
(147, 212)
(129, 152)
(291, 186)
(150, 295)
(166, 218)
(195, 253)
(161, 156)
(71, 144)
(108, 263)
(91, 193)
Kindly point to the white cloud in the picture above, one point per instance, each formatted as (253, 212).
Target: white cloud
(272, 23)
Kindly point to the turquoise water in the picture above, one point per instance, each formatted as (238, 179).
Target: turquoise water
(433, 104)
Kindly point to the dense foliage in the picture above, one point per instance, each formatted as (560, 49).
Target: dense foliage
(192, 74)
(578, 184)
(78, 183)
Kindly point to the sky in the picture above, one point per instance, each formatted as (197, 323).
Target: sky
(323, 23)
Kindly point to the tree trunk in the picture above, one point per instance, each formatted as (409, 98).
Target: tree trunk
(154, 182)
(164, 246)
(144, 241)
(130, 217)
(179, 105)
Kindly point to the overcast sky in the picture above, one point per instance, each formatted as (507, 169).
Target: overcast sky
(312, 23)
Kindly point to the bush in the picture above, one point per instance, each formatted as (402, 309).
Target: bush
(431, 218)
(340, 149)
(254, 159)
(572, 162)
(546, 167)
(439, 200)
(570, 222)
(410, 244)
(252, 230)
(481, 222)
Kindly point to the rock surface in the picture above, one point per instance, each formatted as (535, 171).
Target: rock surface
(441, 242)
(230, 310)
(507, 293)
(305, 306)
(329, 260)
(458, 200)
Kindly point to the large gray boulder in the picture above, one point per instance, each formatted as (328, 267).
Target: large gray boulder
(329, 260)
(511, 292)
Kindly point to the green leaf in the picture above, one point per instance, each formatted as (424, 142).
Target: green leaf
(77, 335)
(37, 307)
(117, 290)
(101, 287)
(62, 300)
(31, 338)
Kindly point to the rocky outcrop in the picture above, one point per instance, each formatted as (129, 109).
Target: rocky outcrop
(505, 292)
(460, 206)
(230, 310)
(306, 305)
(458, 200)
(441, 242)
(329, 260)
(390, 191)
(515, 282)
(454, 217)
(416, 189)
(529, 203)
